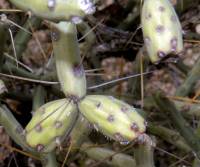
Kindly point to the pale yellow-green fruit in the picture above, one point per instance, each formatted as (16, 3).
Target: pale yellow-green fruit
(114, 118)
(56, 9)
(161, 28)
(50, 124)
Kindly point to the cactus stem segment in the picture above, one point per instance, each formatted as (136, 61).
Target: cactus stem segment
(68, 61)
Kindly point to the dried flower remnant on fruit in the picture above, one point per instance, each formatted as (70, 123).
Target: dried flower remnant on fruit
(87, 6)
(51, 4)
(145, 139)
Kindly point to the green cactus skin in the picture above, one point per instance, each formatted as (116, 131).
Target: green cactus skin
(68, 61)
(115, 118)
(161, 29)
(56, 9)
(50, 124)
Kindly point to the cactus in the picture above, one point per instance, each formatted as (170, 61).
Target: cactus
(113, 117)
(105, 155)
(56, 9)
(49, 125)
(68, 61)
(161, 29)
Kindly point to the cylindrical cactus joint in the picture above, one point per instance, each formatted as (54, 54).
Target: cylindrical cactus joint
(161, 28)
(68, 61)
(116, 119)
(50, 124)
(56, 9)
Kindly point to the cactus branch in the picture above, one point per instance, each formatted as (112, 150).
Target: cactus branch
(2, 43)
(192, 77)
(38, 97)
(115, 159)
(9, 67)
(79, 133)
(12, 127)
(170, 136)
(69, 66)
(144, 155)
(179, 122)
(21, 39)
(89, 36)
(49, 160)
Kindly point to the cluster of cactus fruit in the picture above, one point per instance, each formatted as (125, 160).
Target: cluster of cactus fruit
(52, 122)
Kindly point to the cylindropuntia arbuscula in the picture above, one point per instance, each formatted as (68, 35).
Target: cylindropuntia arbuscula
(68, 61)
(56, 9)
(113, 117)
(161, 29)
(50, 124)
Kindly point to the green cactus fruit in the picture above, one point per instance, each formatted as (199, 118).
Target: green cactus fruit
(116, 119)
(56, 9)
(50, 124)
(161, 29)
(68, 61)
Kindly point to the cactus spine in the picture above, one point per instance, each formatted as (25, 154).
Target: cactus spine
(161, 29)
(68, 61)
(49, 124)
